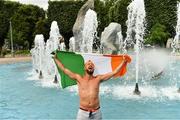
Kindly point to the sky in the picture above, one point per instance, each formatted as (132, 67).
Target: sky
(41, 3)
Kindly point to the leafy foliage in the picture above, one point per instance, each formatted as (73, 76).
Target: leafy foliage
(7, 9)
(163, 12)
(118, 13)
(102, 9)
(158, 35)
(42, 27)
(24, 22)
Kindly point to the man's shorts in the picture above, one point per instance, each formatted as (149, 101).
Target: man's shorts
(86, 115)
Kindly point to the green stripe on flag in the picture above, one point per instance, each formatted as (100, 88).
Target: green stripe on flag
(72, 61)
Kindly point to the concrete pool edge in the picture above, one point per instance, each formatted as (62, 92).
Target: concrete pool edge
(15, 59)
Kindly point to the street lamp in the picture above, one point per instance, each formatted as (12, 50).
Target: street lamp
(12, 49)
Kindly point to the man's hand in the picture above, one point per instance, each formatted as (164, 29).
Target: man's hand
(126, 59)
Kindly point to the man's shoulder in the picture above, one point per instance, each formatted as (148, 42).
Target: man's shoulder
(97, 77)
(79, 77)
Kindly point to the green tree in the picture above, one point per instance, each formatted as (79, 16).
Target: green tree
(42, 27)
(158, 35)
(102, 9)
(7, 9)
(24, 23)
(163, 12)
(118, 13)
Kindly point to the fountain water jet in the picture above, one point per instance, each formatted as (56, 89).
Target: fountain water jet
(38, 54)
(41, 53)
(176, 41)
(135, 31)
(89, 31)
(53, 43)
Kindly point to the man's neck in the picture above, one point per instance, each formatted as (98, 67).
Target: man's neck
(88, 76)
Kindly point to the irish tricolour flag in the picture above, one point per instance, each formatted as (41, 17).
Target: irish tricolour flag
(75, 62)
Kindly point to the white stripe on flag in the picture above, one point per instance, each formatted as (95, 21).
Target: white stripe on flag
(102, 63)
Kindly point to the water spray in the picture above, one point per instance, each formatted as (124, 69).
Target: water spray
(135, 31)
(176, 42)
(89, 31)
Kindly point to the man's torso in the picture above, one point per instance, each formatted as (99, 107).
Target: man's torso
(89, 93)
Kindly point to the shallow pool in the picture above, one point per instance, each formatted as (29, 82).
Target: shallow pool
(25, 97)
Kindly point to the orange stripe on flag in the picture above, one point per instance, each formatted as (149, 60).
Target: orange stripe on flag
(115, 62)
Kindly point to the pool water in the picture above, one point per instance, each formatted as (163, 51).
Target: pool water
(25, 97)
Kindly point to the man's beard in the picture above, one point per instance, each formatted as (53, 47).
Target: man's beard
(89, 72)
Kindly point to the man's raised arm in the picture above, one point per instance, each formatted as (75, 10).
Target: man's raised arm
(66, 71)
(111, 74)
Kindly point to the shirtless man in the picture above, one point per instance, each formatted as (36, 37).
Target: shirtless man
(88, 88)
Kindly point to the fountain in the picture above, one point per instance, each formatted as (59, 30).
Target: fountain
(135, 32)
(84, 33)
(41, 53)
(111, 38)
(53, 43)
(176, 41)
(38, 54)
